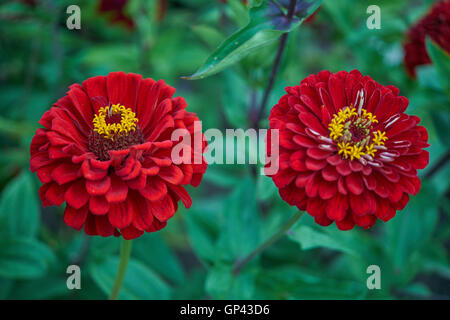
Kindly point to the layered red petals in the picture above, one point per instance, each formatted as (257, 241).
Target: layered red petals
(137, 189)
(331, 188)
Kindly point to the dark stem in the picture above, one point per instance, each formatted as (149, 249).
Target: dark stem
(285, 228)
(275, 67)
(438, 165)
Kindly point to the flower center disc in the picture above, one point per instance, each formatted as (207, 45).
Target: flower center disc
(115, 128)
(354, 135)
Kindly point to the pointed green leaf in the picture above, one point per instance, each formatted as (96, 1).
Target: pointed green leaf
(140, 282)
(19, 207)
(266, 23)
(162, 259)
(23, 258)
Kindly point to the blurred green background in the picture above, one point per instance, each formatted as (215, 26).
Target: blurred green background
(233, 212)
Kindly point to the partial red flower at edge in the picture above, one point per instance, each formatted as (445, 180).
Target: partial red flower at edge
(347, 151)
(436, 25)
(105, 150)
(117, 10)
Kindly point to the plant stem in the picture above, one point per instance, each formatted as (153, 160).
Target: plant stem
(285, 228)
(275, 67)
(125, 252)
(438, 165)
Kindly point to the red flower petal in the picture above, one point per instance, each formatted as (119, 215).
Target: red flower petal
(354, 183)
(116, 86)
(96, 88)
(142, 215)
(76, 195)
(75, 218)
(98, 205)
(130, 233)
(163, 209)
(98, 187)
(362, 204)
(118, 190)
(182, 194)
(327, 189)
(65, 172)
(154, 190)
(172, 174)
(103, 226)
(316, 207)
(120, 214)
(337, 207)
(54, 193)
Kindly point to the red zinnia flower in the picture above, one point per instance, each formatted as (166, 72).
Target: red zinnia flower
(105, 149)
(347, 151)
(436, 25)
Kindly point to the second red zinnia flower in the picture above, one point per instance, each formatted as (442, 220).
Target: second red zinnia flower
(436, 25)
(105, 150)
(347, 151)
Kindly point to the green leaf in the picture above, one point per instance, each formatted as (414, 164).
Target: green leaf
(441, 60)
(103, 247)
(193, 288)
(203, 229)
(139, 283)
(339, 12)
(222, 284)
(441, 121)
(310, 238)
(5, 287)
(354, 242)
(23, 258)
(239, 10)
(417, 290)
(440, 268)
(51, 286)
(222, 176)
(19, 207)
(219, 281)
(265, 26)
(265, 188)
(235, 99)
(428, 77)
(294, 282)
(412, 227)
(241, 229)
(161, 259)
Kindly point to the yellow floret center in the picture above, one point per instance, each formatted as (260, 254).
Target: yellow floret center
(353, 133)
(115, 120)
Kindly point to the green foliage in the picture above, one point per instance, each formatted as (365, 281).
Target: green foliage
(259, 32)
(137, 280)
(309, 238)
(167, 265)
(240, 231)
(441, 60)
(234, 211)
(19, 207)
(409, 232)
(23, 258)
